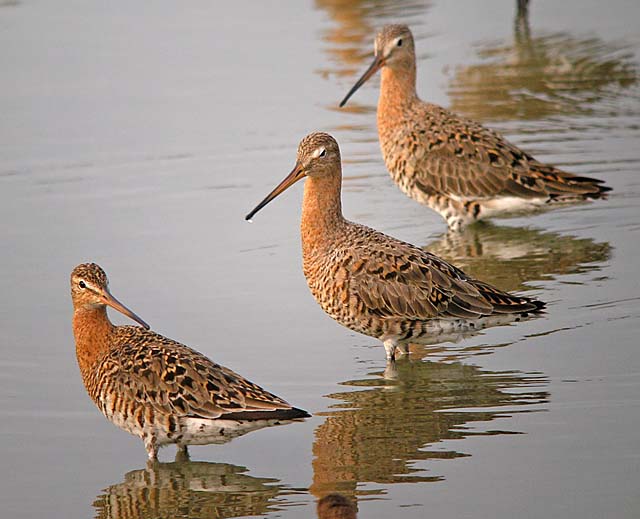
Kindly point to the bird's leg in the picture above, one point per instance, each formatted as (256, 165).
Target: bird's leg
(390, 346)
(182, 454)
(390, 371)
(152, 470)
(455, 223)
(402, 348)
(456, 213)
(152, 447)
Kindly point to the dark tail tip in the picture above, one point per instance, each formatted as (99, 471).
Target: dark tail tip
(540, 305)
(276, 414)
(601, 190)
(598, 189)
(299, 413)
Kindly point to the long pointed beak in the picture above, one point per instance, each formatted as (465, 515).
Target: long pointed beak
(117, 305)
(377, 64)
(296, 174)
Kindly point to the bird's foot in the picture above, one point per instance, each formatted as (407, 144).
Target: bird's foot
(182, 454)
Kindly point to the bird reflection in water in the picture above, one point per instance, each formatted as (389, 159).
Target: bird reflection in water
(536, 77)
(387, 430)
(349, 38)
(511, 257)
(191, 489)
(336, 506)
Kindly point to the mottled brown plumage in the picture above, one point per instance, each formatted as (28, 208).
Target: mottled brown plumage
(456, 166)
(336, 506)
(373, 283)
(156, 388)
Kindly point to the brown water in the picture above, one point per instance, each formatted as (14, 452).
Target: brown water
(138, 135)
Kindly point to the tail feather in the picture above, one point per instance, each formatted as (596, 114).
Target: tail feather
(277, 414)
(561, 185)
(505, 303)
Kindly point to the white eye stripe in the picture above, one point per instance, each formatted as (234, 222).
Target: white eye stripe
(320, 152)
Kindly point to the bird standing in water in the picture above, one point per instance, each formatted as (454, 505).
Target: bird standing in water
(373, 283)
(156, 388)
(456, 166)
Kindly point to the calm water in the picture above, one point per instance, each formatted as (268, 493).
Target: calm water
(138, 135)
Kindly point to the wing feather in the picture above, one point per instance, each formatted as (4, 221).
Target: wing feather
(472, 162)
(402, 281)
(175, 379)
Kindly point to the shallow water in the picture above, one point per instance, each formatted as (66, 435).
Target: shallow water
(138, 136)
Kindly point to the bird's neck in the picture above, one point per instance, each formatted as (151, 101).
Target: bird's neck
(92, 330)
(397, 90)
(321, 213)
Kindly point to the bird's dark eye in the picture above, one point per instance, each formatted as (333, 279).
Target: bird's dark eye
(82, 284)
(322, 153)
(399, 44)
